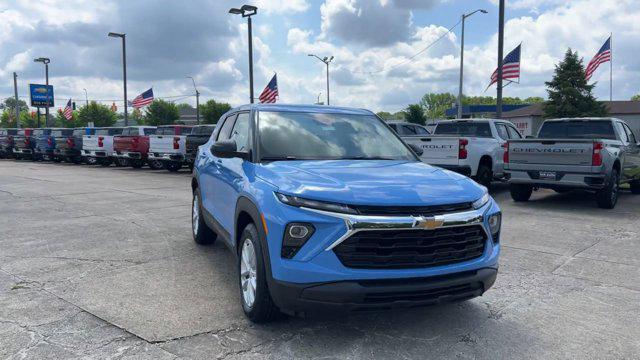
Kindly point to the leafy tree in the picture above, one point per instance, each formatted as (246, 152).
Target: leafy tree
(385, 115)
(435, 104)
(136, 117)
(211, 111)
(533, 100)
(569, 93)
(635, 97)
(9, 104)
(161, 112)
(415, 115)
(100, 115)
(184, 106)
(61, 121)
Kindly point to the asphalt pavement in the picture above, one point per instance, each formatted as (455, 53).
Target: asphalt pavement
(99, 263)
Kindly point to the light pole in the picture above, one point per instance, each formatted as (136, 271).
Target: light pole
(326, 60)
(86, 97)
(248, 11)
(124, 71)
(197, 100)
(464, 16)
(46, 62)
(500, 51)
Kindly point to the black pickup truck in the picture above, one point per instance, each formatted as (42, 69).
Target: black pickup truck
(69, 145)
(200, 134)
(24, 143)
(6, 142)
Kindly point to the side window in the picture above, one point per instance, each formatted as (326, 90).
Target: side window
(409, 130)
(623, 132)
(422, 131)
(513, 133)
(630, 134)
(240, 132)
(226, 127)
(502, 131)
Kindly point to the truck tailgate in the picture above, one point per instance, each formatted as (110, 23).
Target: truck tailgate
(164, 144)
(438, 150)
(90, 142)
(551, 152)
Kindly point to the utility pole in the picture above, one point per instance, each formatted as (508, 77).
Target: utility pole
(500, 51)
(15, 92)
(461, 81)
(86, 97)
(197, 99)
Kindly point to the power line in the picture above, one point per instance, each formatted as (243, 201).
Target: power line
(412, 56)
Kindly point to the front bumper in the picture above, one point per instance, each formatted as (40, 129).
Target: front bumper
(381, 294)
(166, 157)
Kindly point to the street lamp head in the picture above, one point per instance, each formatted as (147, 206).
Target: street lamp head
(245, 10)
(235, 11)
(42, 60)
(484, 11)
(116, 35)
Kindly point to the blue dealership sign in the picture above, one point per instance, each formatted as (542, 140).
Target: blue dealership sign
(40, 94)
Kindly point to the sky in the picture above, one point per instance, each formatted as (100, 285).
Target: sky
(378, 48)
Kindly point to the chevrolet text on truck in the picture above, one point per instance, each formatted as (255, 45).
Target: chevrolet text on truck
(472, 147)
(327, 208)
(596, 154)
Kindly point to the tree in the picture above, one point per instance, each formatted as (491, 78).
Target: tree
(212, 110)
(569, 93)
(161, 112)
(435, 104)
(61, 121)
(415, 115)
(9, 104)
(100, 115)
(385, 115)
(635, 97)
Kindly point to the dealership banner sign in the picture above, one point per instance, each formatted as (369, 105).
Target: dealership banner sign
(41, 95)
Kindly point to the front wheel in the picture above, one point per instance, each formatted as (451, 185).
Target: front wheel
(520, 192)
(155, 164)
(172, 166)
(122, 162)
(254, 292)
(607, 198)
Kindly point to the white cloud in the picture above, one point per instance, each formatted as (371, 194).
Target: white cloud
(282, 6)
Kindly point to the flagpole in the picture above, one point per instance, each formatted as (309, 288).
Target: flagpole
(611, 67)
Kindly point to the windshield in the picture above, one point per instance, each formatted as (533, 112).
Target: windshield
(577, 130)
(475, 129)
(295, 135)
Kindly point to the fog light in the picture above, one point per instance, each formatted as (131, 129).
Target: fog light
(295, 236)
(495, 221)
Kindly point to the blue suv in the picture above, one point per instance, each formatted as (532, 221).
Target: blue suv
(327, 209)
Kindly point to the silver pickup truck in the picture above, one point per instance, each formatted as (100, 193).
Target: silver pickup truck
(596, 154)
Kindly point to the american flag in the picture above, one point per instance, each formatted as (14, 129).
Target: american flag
(270, 93)
(603, 55)
(510, 66)
(68, 111)
(143, 99)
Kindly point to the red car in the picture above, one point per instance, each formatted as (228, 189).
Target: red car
(132, 147)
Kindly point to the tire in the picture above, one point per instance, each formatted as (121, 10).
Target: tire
(136, 163)
(484, 176)
(122, 162)
(202, 234)
(105, 162)
(155, 164)
(56, 159)
(91, 160)
(172, 166)
(520, 192)
(635, 187)
(252, 277)
(607, 198)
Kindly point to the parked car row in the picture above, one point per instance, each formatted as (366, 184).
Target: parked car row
(170, 147)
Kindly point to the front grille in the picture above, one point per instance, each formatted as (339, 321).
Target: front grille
(427, 295)
(404, 249)
(413, 210)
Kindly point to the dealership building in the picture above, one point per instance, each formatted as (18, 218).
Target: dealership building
(528, 118)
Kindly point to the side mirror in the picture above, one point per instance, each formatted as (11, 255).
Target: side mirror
(227, 149)
(417, 149)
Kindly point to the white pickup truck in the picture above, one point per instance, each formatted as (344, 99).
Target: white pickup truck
(472, 147)
(169, 146)
(98, 148)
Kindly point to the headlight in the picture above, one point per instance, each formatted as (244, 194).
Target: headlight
(482, 201)
(495, 221)
(314, 204)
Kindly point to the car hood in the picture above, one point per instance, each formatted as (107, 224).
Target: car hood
(370, 182)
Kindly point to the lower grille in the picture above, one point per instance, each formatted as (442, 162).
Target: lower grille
(421, 296)
(404, 249)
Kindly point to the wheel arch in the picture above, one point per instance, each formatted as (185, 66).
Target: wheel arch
(247, 212)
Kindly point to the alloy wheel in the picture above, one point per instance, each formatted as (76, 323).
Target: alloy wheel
(248, 273)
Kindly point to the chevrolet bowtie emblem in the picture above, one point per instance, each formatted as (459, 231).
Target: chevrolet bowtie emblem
(428, 223)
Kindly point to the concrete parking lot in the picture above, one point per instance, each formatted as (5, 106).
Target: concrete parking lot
(99, 263)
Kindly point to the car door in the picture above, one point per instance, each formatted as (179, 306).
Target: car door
(232, 172)
(209, 168)
(632, 159)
